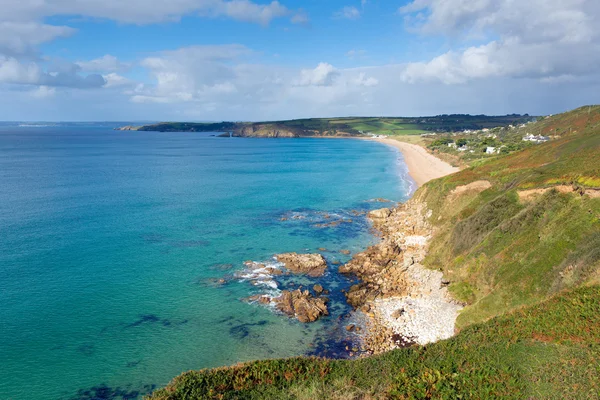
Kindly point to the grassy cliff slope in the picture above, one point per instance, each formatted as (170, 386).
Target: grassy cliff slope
(547, 351)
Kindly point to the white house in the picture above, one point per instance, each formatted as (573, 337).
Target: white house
(536, 139)
(491, 150)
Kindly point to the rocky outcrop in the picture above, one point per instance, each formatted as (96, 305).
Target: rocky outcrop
(301, 305)
(405, 302)
(127, 128)
(313, 265)
(264, 131)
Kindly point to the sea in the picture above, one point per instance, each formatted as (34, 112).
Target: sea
(124, 255)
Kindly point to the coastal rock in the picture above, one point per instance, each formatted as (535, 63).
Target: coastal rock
(313, 265)
(404, 302)
(301, 305)
(318, 289)
(379, 214)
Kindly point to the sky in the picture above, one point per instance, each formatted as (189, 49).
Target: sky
(253, 60)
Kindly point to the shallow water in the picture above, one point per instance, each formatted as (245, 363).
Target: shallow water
(113, 244)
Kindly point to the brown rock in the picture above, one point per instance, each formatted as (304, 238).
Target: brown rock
(302, 305)
(380, 214)
(350, 328)
(260, 298)
(345, 251)
(310, 264)
(318, 289)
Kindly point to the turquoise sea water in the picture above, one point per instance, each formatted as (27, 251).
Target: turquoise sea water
(112, 245)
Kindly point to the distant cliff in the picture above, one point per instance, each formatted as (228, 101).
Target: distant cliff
(239, 129)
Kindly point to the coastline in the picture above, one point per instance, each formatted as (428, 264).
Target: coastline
(403, 302)
(422, 166)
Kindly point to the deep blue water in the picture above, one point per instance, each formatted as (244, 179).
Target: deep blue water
(112, 245)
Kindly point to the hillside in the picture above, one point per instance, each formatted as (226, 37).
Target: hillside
(514, 232)
(341, 126)
(548, 351)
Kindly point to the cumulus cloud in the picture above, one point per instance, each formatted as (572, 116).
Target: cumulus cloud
(323, 75)
(18, 38)
(106, 63)
(348, 12)
(115, 80)
(364, 80)
(15, 72)
(143, 11)
(537, 38)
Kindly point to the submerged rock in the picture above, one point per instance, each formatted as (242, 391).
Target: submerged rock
(313, 265)
(301, 305)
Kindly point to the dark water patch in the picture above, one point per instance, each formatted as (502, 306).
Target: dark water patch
(189, 243)
(133, 364)
(154, 238)
(104, 392)
(213, 282)
(242, 331)
(153, 319)
(221, 267)
(159, 239)
(87, 349)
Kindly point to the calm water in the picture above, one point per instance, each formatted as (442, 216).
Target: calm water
(112, 242)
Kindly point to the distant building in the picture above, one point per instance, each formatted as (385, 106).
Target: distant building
(452, 145)
(491, 150)
(536, 139)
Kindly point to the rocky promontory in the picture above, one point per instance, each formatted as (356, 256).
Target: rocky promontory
(313, 265)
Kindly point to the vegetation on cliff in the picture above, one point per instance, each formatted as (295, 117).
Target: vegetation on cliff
(518, 239)
(551, 350)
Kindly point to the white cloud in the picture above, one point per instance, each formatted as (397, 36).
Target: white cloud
(115, 80)
(356, 53)
(364, 80)
(300, 18)
(43, 92)
(323, 75)
(536, 38)
(348, 12)
(24, 37)
(143, 11)
(15, 72)
(106, 63)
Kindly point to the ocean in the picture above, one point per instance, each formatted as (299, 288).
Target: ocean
(122, 253)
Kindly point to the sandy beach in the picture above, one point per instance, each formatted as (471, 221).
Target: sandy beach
(422, 166)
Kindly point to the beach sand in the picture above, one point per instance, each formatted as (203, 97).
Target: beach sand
(422, 166)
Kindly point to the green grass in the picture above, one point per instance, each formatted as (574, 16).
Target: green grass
(547, 351)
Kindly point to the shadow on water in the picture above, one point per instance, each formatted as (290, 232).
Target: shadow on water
(155, 319)
(104, 392)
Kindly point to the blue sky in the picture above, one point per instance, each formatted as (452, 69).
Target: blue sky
(256, 60)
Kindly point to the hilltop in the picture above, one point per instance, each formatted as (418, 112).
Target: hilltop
(517, 238)
(353, 126)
